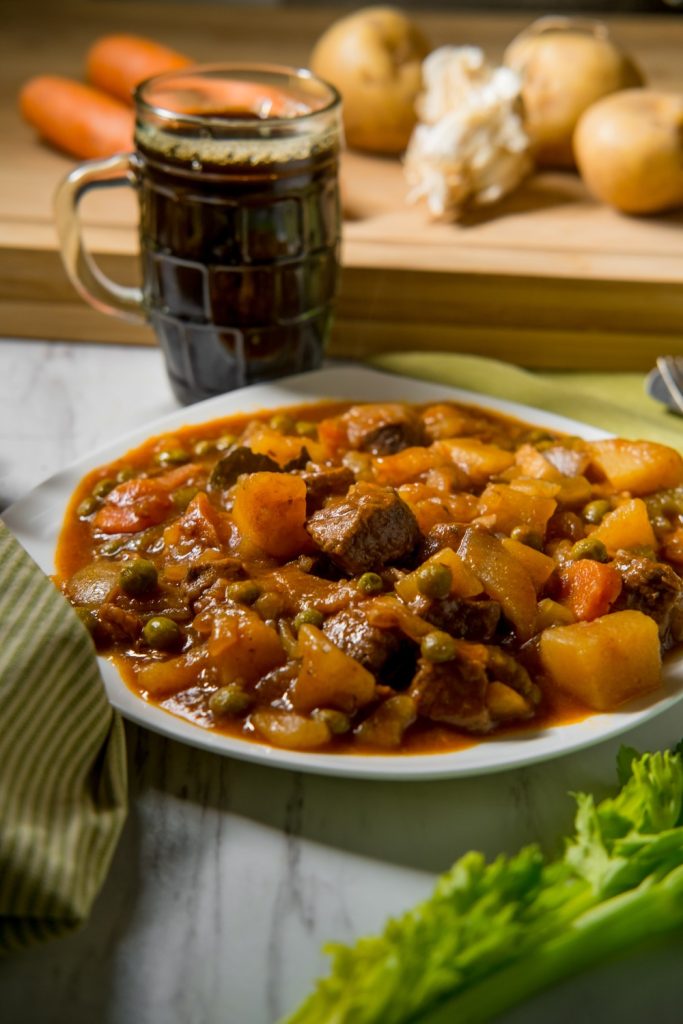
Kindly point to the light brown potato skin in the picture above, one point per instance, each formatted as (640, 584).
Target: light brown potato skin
(629, 150)
(374, 58)
(563, 73)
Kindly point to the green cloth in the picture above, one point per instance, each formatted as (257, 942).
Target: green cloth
(616, 402)
(63, 785)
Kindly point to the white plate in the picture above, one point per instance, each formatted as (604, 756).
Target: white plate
(37, 518)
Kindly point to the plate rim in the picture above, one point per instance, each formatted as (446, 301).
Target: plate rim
(338, 382)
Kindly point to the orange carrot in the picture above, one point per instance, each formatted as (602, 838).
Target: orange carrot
(134, 505)
(589, 588)
(76, 118)
(144, 501)
(118, 63)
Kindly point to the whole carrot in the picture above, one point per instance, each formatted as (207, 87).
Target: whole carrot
(76, 118)
(118, 63)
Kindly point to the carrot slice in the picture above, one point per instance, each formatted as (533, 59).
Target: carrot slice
(76, 118)
(589, 588)
(134, 505)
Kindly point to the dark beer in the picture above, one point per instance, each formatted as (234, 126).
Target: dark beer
(240, 264)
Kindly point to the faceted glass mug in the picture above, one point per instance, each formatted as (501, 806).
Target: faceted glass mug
(236, 171)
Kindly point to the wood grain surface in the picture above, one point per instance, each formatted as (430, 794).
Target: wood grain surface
(548, 278)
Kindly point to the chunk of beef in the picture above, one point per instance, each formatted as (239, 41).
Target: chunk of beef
(365, 530)
(463, 618)
(453, 692)
(383, 429)
(457, 692)
(441, 535)
(502, 668)
(655, 589)
(237, 461)
(115, 625)
(203, 575)
(300, 461)
(384, 652)
(323, 483)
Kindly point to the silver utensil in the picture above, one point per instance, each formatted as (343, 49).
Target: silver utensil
(665, 382)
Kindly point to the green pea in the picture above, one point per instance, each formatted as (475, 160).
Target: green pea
(126, 473)
(230, 700)
(138, 577)
(434, 580)
(112, 547)
(310, 616)
(525, 535)
(283, 423)
(595, 511)
(87, 507)
(269, 606)
(204, 447)
(183, 496)
(539, 437)
(670, 504)
(438, 646)
(336, 721)
(161, 633)
(171, 457)
(304, 428)
(370, 583)
(589, 547)
(243, 592)
(103, 487)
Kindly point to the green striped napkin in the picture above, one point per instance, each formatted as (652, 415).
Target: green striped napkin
(63, 780)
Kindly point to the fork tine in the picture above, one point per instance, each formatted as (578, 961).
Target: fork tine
(670, 373)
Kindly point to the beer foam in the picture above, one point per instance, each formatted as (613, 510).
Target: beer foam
(254, 151)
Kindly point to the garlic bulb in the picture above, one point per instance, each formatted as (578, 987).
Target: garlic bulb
(470, 146)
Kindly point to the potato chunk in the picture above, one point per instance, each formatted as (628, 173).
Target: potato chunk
(242, 646)
(329, 678)
(270, 512)
(480, 461)
(288, 730)
(637, 466)
(627, 526)
(604, 662)
(539, 566)
(511, 508)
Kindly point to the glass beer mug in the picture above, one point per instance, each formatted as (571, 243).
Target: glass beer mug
(236, 172)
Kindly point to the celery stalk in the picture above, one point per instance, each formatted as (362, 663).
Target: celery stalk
(493, 934)
(619, 924)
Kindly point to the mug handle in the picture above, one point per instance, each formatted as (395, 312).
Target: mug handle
(87, 278)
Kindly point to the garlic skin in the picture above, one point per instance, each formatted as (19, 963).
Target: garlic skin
(470, 147)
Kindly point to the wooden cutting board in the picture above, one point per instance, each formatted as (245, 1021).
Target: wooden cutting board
(548, 278)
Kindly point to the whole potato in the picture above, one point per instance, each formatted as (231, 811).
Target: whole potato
(565, 67)
(629, 150)
(374, 59)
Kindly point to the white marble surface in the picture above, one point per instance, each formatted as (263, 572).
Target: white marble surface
(230, 876)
